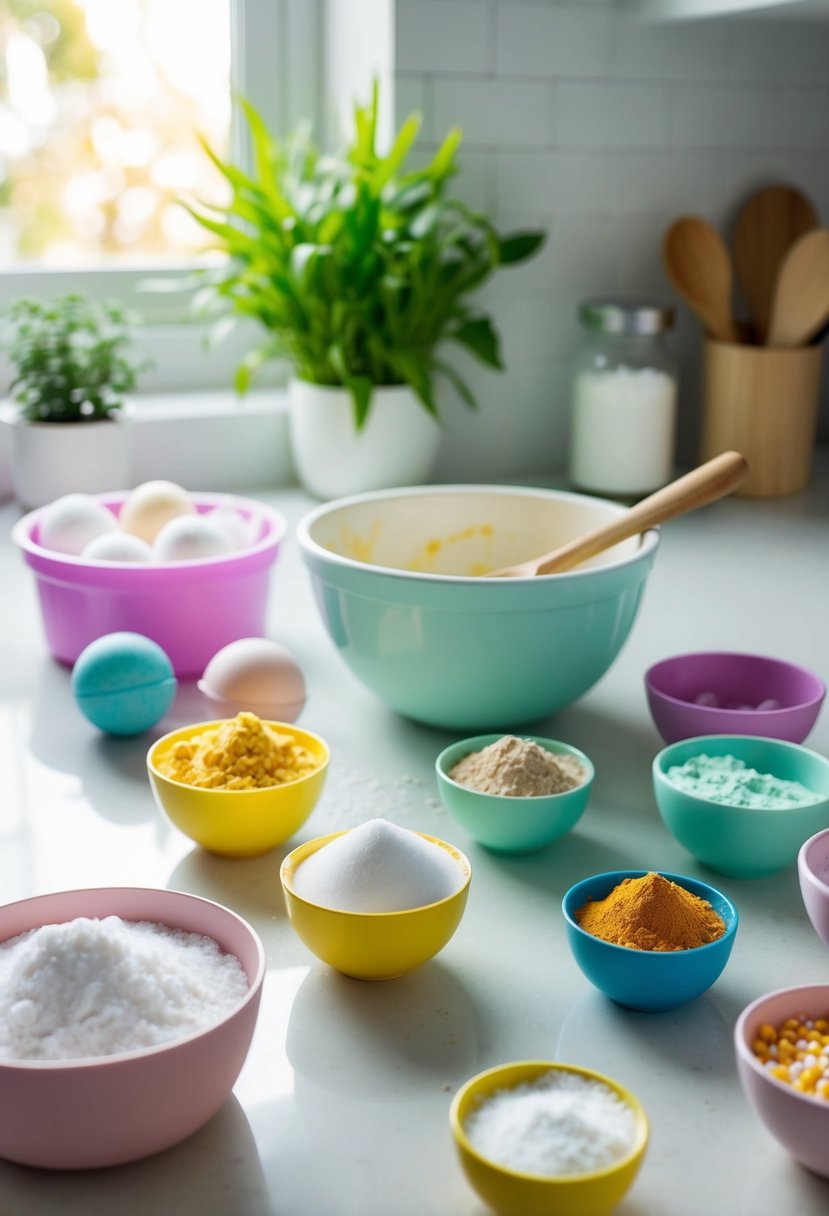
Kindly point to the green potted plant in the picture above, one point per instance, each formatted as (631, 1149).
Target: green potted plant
(72, 364)
(360, 273)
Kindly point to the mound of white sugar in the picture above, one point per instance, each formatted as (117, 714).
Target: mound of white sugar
(378, 867)
(96, 987)
(562, 1123)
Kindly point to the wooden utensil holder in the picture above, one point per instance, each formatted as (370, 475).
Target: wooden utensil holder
(763, 403)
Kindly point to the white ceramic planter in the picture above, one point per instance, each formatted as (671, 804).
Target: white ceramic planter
(49, 459)
(396, 447)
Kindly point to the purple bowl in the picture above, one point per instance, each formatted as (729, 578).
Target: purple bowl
(191, 609)
(736, 681)
(813, 872)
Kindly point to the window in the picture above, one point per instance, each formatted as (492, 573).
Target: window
(101, 102)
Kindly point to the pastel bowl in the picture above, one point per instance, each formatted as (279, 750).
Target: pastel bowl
(510, 1192)
(238, 823)
(374, 945)
(797, 1120)
(743, 842)
(88, 1113)
(735, 680)
(509, 824)
(650, 980)
(813, 872)
(396, 575)
(191, 608)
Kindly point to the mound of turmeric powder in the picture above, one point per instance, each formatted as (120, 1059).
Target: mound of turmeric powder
(651, 913)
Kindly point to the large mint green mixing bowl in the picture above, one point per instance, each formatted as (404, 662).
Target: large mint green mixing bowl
(396, 574)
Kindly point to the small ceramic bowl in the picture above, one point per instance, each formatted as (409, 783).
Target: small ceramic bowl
(813, 872)
(512, 824)
(735, 680)
(238, 823)
(102, 1111)
(374, 945)
(651, 980)
(799, 1121)
(511, 1192)
(743, 842)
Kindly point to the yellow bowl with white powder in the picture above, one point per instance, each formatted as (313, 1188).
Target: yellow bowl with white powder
(508, 1190)
(374, 945)
(236, 822)
(511, 823)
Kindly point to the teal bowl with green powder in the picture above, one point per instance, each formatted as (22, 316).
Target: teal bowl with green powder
(743, 805)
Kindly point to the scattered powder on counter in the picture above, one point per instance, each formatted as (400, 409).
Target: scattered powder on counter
(243, 754)
(729, 781)
(561, 1123)
(651, 913)
(94, 987)
(518, 768)
(378, 867)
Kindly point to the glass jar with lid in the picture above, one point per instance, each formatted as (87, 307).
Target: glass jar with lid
(624, 396)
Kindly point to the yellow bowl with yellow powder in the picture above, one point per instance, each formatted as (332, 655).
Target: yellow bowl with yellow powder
(228, 813)
(647, 979)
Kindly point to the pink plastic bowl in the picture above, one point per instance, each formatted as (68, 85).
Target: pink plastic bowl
(735, 679)
(80, 1114)
(813, 872)
(799, 1122)
(191, 609)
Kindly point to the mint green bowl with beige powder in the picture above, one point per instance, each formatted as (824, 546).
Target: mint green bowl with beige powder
(513, 823)
(742, 841)
(397, 576)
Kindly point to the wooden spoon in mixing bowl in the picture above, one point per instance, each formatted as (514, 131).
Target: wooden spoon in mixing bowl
(698, 265)
(702, 485)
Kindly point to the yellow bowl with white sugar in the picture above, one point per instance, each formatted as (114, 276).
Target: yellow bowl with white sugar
(374, 945)
(511, 1192)
(238, 822)
(507, 823)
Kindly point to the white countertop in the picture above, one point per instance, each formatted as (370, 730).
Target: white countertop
(341, 1108)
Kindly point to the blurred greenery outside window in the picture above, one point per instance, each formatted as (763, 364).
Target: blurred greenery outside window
(101, 106)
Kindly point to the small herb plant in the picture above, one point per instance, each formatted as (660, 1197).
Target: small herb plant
(72, 358)
(357, 270)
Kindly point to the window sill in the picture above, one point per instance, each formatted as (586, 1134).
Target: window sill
(205, 440)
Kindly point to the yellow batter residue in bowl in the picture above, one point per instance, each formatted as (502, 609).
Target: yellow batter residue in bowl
(424, 561)
(242, 754)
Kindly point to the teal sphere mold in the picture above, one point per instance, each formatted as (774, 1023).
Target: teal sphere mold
(512, 824)
(743, 842)
(123, 683)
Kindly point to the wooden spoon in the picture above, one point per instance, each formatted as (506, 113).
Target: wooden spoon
(767, 226)
(801, 300)
(698, 266)
(705, 484)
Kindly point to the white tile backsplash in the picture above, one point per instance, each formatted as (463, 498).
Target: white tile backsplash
(601, 129)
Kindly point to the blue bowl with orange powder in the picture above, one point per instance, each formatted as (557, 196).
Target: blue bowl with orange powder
(649, 980)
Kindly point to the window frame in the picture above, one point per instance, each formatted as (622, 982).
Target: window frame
(275, 62)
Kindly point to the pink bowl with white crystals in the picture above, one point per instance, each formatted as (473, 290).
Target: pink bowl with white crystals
(102, 1111)
(191, 609)
(799, 1121)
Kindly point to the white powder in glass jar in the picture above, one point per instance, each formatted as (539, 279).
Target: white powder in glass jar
(94, 987)
(561, 1123)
